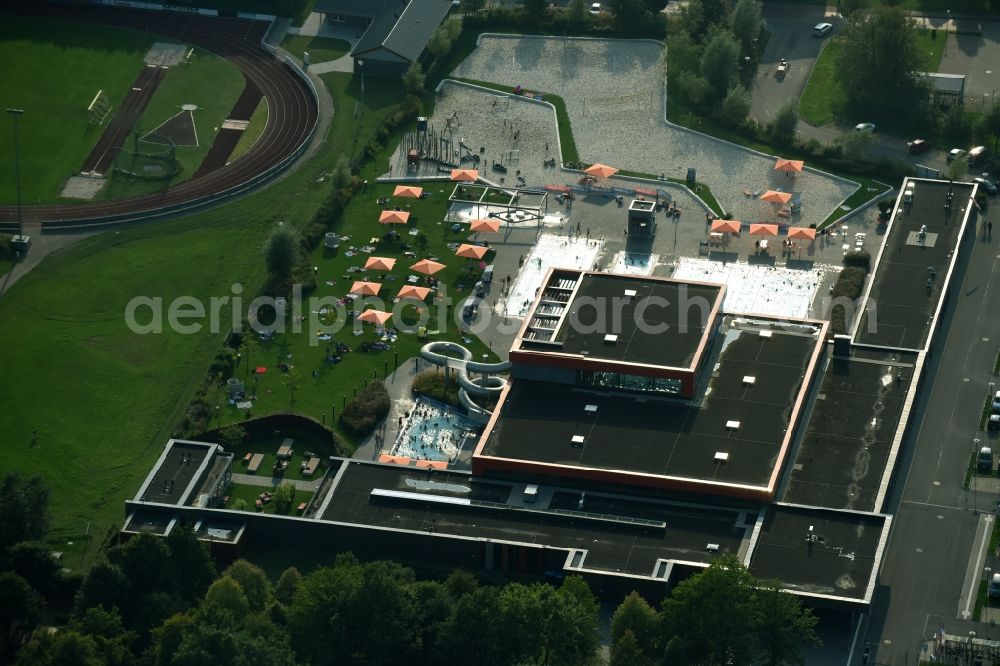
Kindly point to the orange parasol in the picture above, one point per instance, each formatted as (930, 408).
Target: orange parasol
(788, 165)
(801, 232)
(730, 226)
(432, 464)
(396, 460)
(490, 225)
(776, 197)
(763, 229)
(380, 263)
(375, 316)
(471, 251)
(417, 293)
(393, 217)
(600, 170)
(464, 174)
(427, 267)
(410, 191)
(365, 288)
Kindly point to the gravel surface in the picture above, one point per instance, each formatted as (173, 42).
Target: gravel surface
(613, 91)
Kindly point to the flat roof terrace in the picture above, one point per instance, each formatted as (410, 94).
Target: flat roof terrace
(656, 322)
(899, 306)
(837, 558)
(174, 472)
(454, 503)
(736, 436)
(843, 453)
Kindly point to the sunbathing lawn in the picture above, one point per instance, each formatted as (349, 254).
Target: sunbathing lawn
(321, 49)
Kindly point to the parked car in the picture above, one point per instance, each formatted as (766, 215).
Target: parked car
(865, 128)
(595, 8)
(994, 422)
(955, 153)
(994, 589)
(995, 407)
(822, 29)
(918, 146)
(986, 184)
(984, 461)
(977, 155)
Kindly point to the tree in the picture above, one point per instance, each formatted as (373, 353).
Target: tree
(288, 585)
(249, 348)
(281, 252)
(577, 10)
(876, 65)
(636, 617)
(473, 635)
(720, 61)
(629, 13)
(781, 129)
(736, 105)
(24, 505)
(746, 24)
(189, 565)
(958, 169)
(20, 609)
(63, 648)
(232, 437)
(34, 562)
(853, 144)
(413, 79)
(225, 598)
(709, 617)
(283, 497)
(570, 622)
(783, 626)
(626, 652)
(847, 8)
(440, 42)
(535, 10)
(990, 123)
(253, 581)
(472, 6)
(292, 378)
(111, 640)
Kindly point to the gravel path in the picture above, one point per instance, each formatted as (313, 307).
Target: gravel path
(613, 91)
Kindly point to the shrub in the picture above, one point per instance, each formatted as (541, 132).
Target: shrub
(363, 413)
(6, 251)
(850, 283)
(223, 364)
(283, 497)
(859, 259)
(432, 384)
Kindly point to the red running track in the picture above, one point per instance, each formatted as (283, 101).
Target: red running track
(291, 105)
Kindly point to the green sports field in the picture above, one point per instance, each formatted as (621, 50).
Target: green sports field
(60, 68)
(212, 84)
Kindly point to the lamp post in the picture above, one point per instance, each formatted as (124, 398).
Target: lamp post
(16, 113)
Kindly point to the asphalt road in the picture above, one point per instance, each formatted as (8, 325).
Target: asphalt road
(935, 519)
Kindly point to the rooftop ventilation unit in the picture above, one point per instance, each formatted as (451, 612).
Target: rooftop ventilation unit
(629, 295)
(749, 380)
(712, 547)
(732, 425)
(765, 334)
(721, 456)
(577, 440)
(590, 408)
(610, 338)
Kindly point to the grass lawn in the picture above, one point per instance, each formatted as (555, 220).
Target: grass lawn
(823, 99)
(209, 82)
(103, 399)
(250, 494)
(324, 385)
(321, 49)
(60, 66)
(269, 447)
(253, 131)
(7, 264)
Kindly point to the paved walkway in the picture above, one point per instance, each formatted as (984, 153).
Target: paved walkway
(273, 482)
(399, 384)
(315, 26)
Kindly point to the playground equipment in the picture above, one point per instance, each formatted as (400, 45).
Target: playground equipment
(454, 357)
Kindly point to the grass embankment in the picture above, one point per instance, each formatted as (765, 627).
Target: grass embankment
(258, 121)
(824, 101)
(321, 49)
(60, 66)
(104, 400)
(205, 80)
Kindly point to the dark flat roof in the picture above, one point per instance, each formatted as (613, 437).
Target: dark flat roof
(847, 439)
(841, 560)
(684, 308)
(904, 308)
(537, 421)
(152, 521)
(611, 547)
(175, 473)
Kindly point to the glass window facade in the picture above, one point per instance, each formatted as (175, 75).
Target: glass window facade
(617, 381)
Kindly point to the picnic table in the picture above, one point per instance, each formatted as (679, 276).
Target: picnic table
(255, 462)
(285, 450)
(310, 467)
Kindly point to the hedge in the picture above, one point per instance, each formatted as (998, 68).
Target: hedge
(850, 283)
(365, 412)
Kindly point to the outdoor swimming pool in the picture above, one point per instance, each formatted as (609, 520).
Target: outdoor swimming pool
(432, 431)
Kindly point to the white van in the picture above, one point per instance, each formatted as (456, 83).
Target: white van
(976, 154)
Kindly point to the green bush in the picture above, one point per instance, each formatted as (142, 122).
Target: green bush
(284, 496)
(363, 413)
(859, 259)
(850, 283)
(431, 383)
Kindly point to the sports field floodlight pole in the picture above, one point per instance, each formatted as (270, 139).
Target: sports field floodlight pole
(17, 168)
